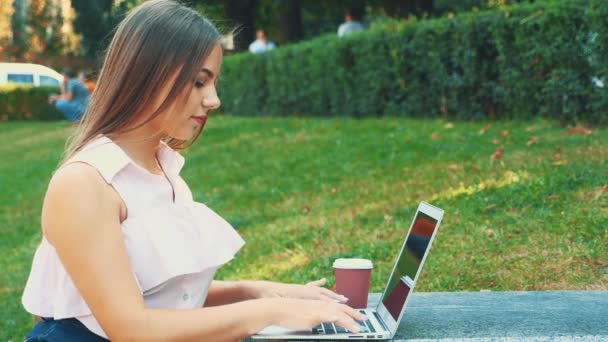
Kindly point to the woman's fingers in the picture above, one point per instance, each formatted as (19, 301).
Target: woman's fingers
(320, 282)
(348, 317)
(354, 313)
(329, 295)
(348, 323)
(326, 294)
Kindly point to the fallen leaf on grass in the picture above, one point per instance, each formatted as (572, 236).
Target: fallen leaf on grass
(533, 141)
(484, 129)
(388, 218)
(504, 133)
(434, 136)
(491, 206)
(594, 194)
(495, 141)
(490, 233)
(560, 162)
(453, 167)
(578, 131)
(334, 190)
(601, 191)
(497, 154)
(448, 125)
(306, 209)
(553, 197)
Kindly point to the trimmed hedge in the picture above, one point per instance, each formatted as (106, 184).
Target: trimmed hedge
(27, 103)
(516, 62)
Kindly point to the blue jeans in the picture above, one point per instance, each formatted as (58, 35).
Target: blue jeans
(71, 110)
(62, 330)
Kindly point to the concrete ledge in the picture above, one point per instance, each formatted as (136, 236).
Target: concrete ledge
(546, 316)
(505, 316)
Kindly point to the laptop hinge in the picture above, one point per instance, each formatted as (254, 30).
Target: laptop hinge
(380, 321)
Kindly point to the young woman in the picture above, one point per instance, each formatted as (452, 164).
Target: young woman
(126, 253)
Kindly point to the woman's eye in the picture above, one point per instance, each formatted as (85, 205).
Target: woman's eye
(199, 84)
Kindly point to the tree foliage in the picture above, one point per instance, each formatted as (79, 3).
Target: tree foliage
(96, 19)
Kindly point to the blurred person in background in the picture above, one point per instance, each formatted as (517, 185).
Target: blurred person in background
(351, 23)
(84, 77)
(74, 97)
(262, 43)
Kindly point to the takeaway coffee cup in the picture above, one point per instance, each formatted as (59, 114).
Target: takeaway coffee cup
(352, 280)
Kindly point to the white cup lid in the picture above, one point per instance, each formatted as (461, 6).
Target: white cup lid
(353, 263)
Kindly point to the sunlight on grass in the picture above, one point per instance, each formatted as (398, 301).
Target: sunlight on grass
(508, 178)
(288, 260)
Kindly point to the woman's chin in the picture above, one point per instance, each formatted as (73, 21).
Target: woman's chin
(184, 135)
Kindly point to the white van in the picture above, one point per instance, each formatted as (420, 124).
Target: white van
(29, 74)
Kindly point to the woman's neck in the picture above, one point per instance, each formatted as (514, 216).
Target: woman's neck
(142, 148)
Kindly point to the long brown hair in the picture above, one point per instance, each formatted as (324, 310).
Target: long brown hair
(157, 40)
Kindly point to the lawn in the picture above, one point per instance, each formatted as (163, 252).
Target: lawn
(303, 192)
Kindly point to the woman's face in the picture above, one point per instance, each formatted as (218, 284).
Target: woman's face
(182, 123)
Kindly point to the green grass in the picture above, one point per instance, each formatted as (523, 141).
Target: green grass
(303, 192)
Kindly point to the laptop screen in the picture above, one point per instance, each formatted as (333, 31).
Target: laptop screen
(402, 280)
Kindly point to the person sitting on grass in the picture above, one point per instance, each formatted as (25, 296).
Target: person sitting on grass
(74, 97)
(126, 253)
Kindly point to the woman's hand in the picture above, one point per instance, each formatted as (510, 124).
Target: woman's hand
(312, 290)
(304, 314)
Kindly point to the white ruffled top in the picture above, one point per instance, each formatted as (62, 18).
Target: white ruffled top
(175, 245)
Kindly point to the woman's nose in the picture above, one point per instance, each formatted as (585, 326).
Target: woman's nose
(212, 100)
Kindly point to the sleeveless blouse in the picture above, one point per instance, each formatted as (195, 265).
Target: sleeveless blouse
(175, 245)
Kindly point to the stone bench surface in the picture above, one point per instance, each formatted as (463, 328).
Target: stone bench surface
(504, 316)
(543, 316)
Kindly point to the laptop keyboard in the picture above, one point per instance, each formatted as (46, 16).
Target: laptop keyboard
(330, 328)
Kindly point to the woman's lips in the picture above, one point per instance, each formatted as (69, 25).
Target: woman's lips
(200, 120)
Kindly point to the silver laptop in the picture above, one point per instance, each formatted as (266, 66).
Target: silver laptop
(383, 320)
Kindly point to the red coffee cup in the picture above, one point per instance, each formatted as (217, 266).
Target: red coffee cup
(352, 280)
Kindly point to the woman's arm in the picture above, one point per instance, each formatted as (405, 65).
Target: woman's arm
(81, 219)
(227, 292)
(66, 93)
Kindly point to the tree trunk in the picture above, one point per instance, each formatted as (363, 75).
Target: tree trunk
(242, 14)
(18, 20)
(291, 20)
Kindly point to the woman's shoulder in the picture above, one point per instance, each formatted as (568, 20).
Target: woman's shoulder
(102, 155)
(82, 178)
(77, 200)
(85, 175)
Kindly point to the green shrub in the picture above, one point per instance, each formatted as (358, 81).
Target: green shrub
(514, 62)
(27, 103)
